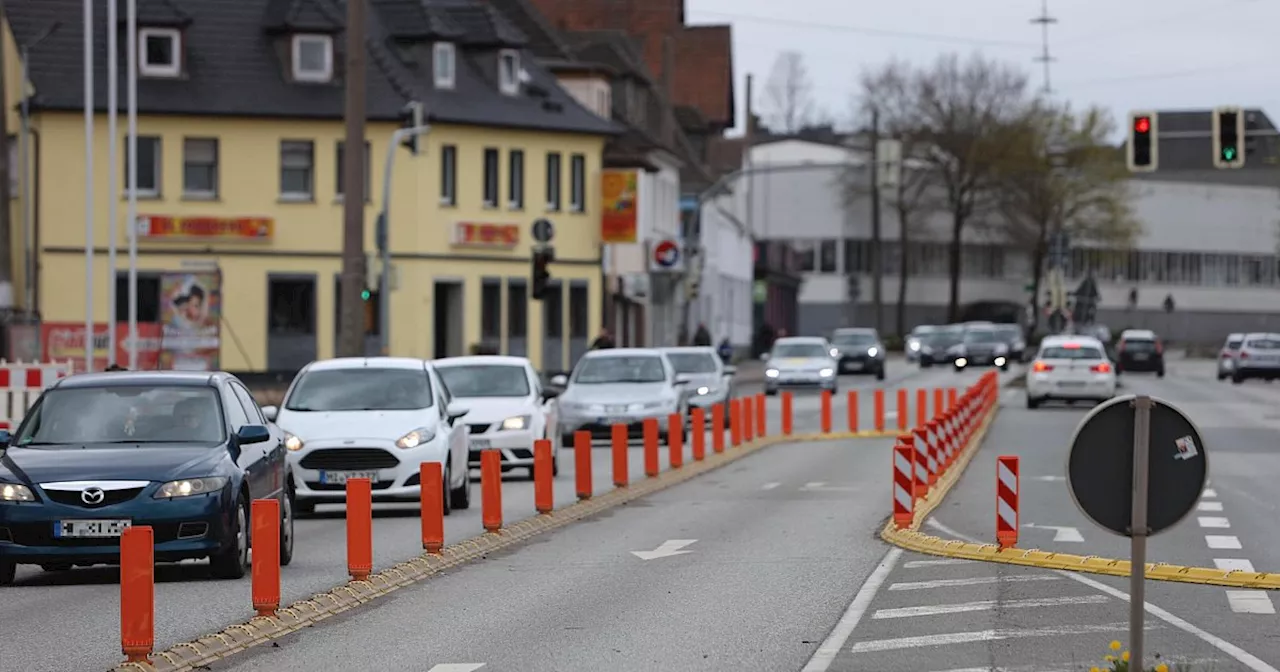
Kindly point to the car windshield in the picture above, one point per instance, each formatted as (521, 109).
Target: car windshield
(364, 389)
(692, 362)
(785, 350)
(485, 380)
(854, 339)
(620, 369)
(1264, 344)
(982, 336)
(1077, 352)
(1234, 344)
(124, 415)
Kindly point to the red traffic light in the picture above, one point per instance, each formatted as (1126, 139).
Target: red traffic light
(1142, 124)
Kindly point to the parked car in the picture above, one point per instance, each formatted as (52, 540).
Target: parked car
(707, 380)
(859, 350)
(378, 418)
(183, 452)
(1011, 334)
(1070, 368)
(1227, 356)
(1259, 358)
(981, 346)
(916, 340)
(620, 386)
(1140, 350)
(507, 408)
(800, 361)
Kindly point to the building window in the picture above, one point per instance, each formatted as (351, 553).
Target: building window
(449, 175)
(148, 297)
(297, 170)
(200, 167)
(578, 183)
(509, 71)
(445, 58)
(805, 252)
(148, 167)
(516, 186)
(553, 181)
(159, 52)
(517, 317)
(491, 311)
(312, 58)
(603, 104)
(340, 162)
(827, 256)
(578, 309)
(490, 177)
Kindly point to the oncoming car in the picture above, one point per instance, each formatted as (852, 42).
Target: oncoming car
(981, 346)
(183, 453)
(707, 380)
(378, 418)
(619, 386)
(916, 340)
(859, 350)
(1070, 368)
(800, 361)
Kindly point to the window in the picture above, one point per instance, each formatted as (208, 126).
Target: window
(448, 175)
(445, 59)
(312, 58)
(250, 405)
(490, 310)
(517, 316)
(509, 71)
(297, 170)
(148, 166)
(490, 177)
(148, 297)
(159, 52)
(340, 163)
(553, 181)
(515, 187)
(200, 167)
(827, 256)
(805, 252)
(579, 303)
(578, 183)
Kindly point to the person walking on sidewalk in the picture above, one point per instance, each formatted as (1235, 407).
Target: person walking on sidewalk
(702, 337)
(726, 350)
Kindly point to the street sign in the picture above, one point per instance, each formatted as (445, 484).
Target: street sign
(543, 230)
(666, 256)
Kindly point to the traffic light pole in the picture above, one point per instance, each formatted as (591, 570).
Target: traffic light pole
(383, 235)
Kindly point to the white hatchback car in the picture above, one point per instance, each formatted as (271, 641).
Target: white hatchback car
(507, 407)
(371, 417)
(1070, 368)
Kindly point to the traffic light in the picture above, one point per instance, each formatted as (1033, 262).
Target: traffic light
(1228, 137)
(1142, 151)
(416, 114)
(542, 258)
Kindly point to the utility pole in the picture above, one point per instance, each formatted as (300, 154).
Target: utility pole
(1044, 58)
(877, 289)
(6, 230)
(351, 320)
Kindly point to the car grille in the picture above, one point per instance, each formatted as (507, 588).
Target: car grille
(351, 459)
(72, 497)
(478, 428)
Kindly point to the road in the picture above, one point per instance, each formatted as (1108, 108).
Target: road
(45, 611)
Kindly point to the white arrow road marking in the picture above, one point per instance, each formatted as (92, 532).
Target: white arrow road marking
(1067, 534)
(1049, 479)
(667, 549)
(456, 667)
(770, 486)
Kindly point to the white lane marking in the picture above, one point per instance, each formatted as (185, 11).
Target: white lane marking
(1209, 506)
(1049, 479)
(821, 486)
(814, 485)
(1068, 534)
(1233, 565)
(1214, 521)
(668, 548)
(1238, 654)
(1209, 492)
(985, 605)
(770, 486)
(936, 563)
(834, 643)
(975, 581)
(898, 643)
(1250, 602)
(1226, 542)
(456, 667)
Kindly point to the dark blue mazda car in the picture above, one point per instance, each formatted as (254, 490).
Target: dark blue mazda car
(184, 453)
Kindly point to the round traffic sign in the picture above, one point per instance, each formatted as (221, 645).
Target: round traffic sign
(543, 230)
(1100, 465)
(666, 253)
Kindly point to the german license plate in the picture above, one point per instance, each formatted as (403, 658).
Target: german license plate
(89, 529)
(853, 366)
(615, 409)
(341, 477)
(612, 421)
(480, 444)
(1140, 356)
(1071, 383)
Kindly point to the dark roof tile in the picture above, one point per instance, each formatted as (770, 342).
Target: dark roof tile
(408, 19)
(543, 40)
(302, 15)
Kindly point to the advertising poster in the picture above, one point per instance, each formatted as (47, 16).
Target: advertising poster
(190, 312)
(620, 189)
(64, 341)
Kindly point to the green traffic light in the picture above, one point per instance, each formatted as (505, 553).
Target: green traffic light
(1228, 153)
(365, 294)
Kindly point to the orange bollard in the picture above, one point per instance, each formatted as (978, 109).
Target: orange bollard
(491, 490)
(879, 411)
(748, 419)
(544, 499)
(137, 593)
(265, 566)
(582, 463)
(762, 416)
(938, 402)
(922, 407)
(650, 447)
(786, 414)
(675, 440)
(621, 470)
(951, 398)
(853, 411)
(359, 528)
(826, 411)
(717, 428)
(699, 433)
(431, 496)
(902, 410)
(735, 423)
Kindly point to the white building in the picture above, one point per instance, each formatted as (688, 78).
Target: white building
(724, 302)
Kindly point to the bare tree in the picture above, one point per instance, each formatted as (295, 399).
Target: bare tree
(788, 93)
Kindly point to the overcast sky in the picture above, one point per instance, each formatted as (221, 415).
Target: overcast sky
(1119, 54)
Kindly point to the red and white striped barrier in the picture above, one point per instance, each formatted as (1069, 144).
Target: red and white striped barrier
(924, 477)
(1007, 500)
(903, 485)
(21, 384)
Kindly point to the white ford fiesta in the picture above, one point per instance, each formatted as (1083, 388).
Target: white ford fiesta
(371, 417)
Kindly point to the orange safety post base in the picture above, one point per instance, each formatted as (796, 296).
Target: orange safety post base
(491, 490)
(1007, 501)
(359, 528)
(265, 565)
(748, 419)
(879, 410)
(137, 593)
(431, 499)
(853, 411)
(620, 446)
(717, 428)
(675, 440)
(651, 447)
(922, 407)
(762, 416)
(903, 485)
(951, 398)
(582, 463)
(699, 434)
(903, 418)
(787, 418)
(938, 402)
(543, 468)
(826, 411)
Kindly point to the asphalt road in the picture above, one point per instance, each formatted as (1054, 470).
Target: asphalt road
(69, 620)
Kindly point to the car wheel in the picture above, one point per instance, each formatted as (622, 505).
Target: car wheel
(1222, 377)
(1033, 403)
(770, 392)
(958, 369)
(1160, 373)
(8, 572)
(286, 528)
(460, 498)
(880, 373)
(232, 562)
(924, 363)
(1236, 379)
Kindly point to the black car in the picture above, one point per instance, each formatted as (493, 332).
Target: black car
(1140, 350)
(936, 348)
(859, 350)
(982, 346)
(182, 452)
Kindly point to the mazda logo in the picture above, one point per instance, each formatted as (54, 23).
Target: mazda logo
(93, 496)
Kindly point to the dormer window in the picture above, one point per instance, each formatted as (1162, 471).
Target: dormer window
(509, 71)
(446, 64)
(159, 52)
(312, 58)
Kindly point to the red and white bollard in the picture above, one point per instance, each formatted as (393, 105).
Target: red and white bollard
(1007, 500)
(903, 485)
(921, 447)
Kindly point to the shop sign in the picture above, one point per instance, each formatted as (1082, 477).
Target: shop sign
(618, 221)
(475, 234)
(164, 227)
(64, 341)
(191, 312)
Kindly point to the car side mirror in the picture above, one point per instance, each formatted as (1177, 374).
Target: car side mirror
(730, 370)
(764, 356)
(550, 393)
(560, 380)
(5, 438)
(271, 412)
(250, 434)
(455, 412)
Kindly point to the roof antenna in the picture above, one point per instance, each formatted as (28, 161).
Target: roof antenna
(1044, 20)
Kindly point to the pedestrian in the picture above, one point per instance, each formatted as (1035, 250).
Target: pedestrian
(702, 337)
(604, 341)
(726, 350)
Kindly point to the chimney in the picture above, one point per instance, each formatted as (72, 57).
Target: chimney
(668, 88)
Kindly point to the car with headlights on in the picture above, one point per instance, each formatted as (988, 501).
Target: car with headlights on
(1259, 358)
(858, 350)
(800, 361)
(1012, 336)
(620, 386)
(707, 380)
(1227, 356)
(507, 407)
(1070, 368)
(916, 340)
(182, 452)
(378, 418)
(935, 347)
(981, 346)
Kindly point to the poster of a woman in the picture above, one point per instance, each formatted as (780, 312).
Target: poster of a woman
(191, 309)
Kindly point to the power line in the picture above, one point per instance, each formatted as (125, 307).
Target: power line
(865, 30)
(1045, 20)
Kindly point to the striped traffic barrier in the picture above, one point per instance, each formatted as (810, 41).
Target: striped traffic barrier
(924, 456)
(1007, 500)
(903, 486)
(921, 461)
(935, 448)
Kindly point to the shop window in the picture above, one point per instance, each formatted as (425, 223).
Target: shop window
(553, 181)
(297, 170)
(449, 175)
(491, 310)
(340, 162)
(149, 171)
(200, 167)
(515, 184)
(490, 177)
(827, 256)
(291, 305)
(578, 183)
(579, 305)
(148, 297)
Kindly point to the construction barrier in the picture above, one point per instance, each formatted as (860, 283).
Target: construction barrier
(22, 383)
(1007, 501)
(903, 485)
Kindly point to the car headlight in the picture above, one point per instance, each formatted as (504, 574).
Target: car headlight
(14, 492)
(415, 438)
(873, 351)
(1000, 361)
(188, 487)
(770, 373)
(914, 345)
(961, 362)
(292, 441)
(835, 352)
(517, 422)
(826, 373)
(704, 390)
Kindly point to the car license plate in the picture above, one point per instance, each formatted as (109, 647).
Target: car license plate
(341, 477)
(615, 409)
(89, 529)
(611, 421)
(480, 444)
(1140, 356)
(853, 366)
(1071, 383)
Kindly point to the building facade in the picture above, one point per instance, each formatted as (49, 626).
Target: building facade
(725, 294)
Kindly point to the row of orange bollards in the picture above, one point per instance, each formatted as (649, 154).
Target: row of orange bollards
(942, 398)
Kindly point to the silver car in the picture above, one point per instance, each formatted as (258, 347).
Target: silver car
(707, 380)
(619, 386)
(1227, 356)
(800, 361)
(1259, 358)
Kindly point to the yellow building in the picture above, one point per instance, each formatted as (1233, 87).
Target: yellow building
(239, 180)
